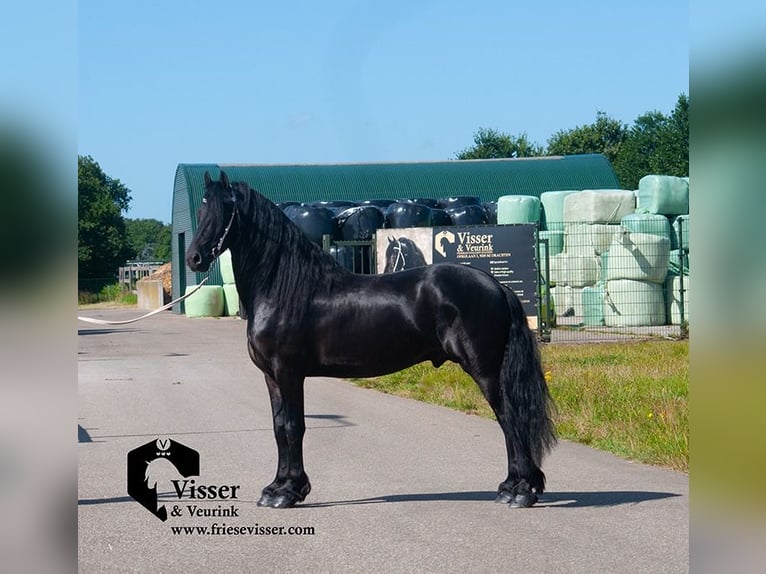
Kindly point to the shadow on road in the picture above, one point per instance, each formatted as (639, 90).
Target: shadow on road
(549, 499)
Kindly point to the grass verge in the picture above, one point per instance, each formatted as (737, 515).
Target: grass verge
(111, 294)
(630, 399)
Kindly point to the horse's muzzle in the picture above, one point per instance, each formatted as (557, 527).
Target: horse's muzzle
(196, 261)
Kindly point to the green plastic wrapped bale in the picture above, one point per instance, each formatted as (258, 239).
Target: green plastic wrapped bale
(677, 265)
(567, 300)
(555, 244)
(552, 214)
(558, 269)
(629, 303)
(681, 232)
(518, 209)
(227, 271)
(593, 305)
(674, 294)
(575, 270)
(230, 300)
(663, 194)
(599, 206)
(207, 302)
(652, 223)
(638, 256)
(589, 238)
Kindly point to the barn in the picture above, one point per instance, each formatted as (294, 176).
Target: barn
(487, 179)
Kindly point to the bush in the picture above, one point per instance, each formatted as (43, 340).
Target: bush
(114, 293)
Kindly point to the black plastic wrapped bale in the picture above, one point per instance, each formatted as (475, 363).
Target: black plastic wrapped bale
(458, 201)
(382, 203)
(285, 204)
(440, 218)
(336, 206)
(427, 201)
(358, 223)
(400, 215)
(467, 215)
(315, 222)
(490, 207)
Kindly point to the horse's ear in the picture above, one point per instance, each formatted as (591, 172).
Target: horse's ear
(208, 181)
(224, 179)
(390, 239)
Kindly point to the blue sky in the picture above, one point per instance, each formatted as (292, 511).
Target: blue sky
(172, 82)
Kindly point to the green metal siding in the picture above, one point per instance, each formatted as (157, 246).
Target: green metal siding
(487, 179)
(186, 201)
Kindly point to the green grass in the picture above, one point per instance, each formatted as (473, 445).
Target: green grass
(109, 294)
(630, 399)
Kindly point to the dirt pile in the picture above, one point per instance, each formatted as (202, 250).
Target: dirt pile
(165, 275)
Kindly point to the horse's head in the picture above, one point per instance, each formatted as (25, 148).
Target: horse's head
(215, 219)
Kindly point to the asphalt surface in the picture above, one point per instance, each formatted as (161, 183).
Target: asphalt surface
(398, 486)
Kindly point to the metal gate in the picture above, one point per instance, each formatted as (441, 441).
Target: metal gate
(356, 256)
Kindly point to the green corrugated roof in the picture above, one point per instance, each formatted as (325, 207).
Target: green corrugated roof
(488, 179)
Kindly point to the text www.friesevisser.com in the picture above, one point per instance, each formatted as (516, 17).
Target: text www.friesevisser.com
(224, 529)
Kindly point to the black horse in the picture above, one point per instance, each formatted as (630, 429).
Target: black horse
(402, 253)
(307, 316)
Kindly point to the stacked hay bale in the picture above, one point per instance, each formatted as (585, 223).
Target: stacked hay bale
(591, 218)
(230, 295)
(206, 302)
(634, 274)
(668, 196)
(215, 300)
(618, 257)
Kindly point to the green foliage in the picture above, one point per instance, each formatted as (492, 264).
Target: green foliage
(605, 136)
(112, 293)
(654, 144)
(490, 144)
(102, 241)
(631, 400)
(149, 239)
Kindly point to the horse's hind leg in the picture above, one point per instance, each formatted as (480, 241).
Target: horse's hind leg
(525, 478)
(291, 484)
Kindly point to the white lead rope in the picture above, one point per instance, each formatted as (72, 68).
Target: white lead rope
(150, 313)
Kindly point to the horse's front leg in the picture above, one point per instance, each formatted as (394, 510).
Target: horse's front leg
(291, 484)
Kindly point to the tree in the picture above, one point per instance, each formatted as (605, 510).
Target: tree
(605, 136)
(491, 144)
(102, 241)
(149, 239)
(656, 144)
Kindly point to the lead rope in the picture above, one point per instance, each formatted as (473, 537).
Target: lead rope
(150, 313)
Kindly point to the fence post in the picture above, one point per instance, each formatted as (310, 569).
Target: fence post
(681, 259)
(544, 319)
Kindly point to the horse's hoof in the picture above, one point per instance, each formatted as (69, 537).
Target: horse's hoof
(284, 501)
(524, 500)
(283, 497)
(504, 497)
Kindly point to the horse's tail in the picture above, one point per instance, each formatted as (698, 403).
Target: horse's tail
(526, 403)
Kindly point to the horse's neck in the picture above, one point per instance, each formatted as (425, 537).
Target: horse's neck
(263, 262)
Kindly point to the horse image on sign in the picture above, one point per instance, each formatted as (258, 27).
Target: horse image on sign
(404, 252)
(308, 316)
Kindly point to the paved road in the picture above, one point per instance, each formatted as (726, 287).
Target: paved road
(399, 486)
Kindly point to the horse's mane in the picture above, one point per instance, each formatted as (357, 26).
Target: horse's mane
(274, 257)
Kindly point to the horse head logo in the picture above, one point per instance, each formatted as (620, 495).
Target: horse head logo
(153, 466)
(439, 240)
